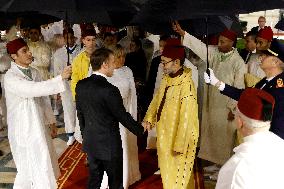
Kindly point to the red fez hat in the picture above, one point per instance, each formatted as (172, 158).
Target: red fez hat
(256, 104)
(89, 32)
(265, 33)
(15, 45)
(173, 49)
(230, 34)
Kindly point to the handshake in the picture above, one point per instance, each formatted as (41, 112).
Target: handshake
(146, 125)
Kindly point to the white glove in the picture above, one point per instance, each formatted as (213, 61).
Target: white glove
(210, 79)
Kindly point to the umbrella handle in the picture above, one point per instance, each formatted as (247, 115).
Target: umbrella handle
(207, 42)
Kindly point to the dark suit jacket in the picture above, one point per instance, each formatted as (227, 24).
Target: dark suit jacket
(277, 124)
(100, 109)
(255, 29)
(244, 53)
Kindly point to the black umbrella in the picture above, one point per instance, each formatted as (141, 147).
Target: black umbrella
(38, 5)
(196, 26)
(166, 10)
(247, 6)
(111, 12)
(27, 19)
(38, 19)
(280, 25)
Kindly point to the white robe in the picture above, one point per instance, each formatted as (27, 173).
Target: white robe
(52, 29)
(42, 58)
(69, 108)
(5, 64)
(217, 133)
(123, 79)
(257, 164)
(28, 113)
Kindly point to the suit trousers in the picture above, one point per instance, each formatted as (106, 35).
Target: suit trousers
(113, 168)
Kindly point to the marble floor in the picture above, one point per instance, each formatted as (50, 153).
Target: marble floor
(7, 166)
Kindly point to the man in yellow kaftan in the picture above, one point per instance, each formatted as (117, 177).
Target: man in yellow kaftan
(81, 63)
(174, 111)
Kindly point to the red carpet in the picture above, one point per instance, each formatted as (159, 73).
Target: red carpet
(74, 173)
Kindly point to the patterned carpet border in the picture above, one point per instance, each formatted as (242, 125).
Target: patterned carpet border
(73, 159)
(68, 162)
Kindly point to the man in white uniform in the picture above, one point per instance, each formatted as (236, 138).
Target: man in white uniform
(258, 162)
(60, 61)
(29, 114)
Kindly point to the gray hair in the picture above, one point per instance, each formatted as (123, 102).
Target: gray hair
(253, 124)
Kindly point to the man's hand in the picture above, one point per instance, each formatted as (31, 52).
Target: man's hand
(176, 27)
(53, 130)
(210, 79)
(146, 125)
(231, 116)
(66, 74)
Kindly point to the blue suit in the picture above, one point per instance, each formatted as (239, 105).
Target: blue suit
(275, 87)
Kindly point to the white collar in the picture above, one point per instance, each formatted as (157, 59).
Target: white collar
(255, 136)
(99, 73)
(24, 68)
(254, 51)
(228, 53)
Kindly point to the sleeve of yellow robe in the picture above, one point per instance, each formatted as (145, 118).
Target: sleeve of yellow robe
(75, 76)
(188, 128)
(151, 115)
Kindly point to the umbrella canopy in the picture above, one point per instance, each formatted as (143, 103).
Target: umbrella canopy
(215, 24)
(168, 10)
(38, 5)
(280, 25)
(111, 12)
(27, 19)
(195, 26)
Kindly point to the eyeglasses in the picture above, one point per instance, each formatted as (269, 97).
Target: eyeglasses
(165, 63)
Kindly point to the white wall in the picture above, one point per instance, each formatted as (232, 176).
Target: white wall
(272, 17)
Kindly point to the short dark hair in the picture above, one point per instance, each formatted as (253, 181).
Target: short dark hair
(98, 57)
(251, 34)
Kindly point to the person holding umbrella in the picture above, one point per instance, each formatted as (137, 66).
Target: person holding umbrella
(218, 132)
(30, 119)
(60, 60)
(272, 64)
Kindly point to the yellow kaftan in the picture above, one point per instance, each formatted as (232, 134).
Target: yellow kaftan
(177, 129)
(80, 70)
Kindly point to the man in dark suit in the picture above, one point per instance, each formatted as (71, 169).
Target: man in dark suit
(272, 63)
(261, 24)
(100, 109)
(250, 46)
